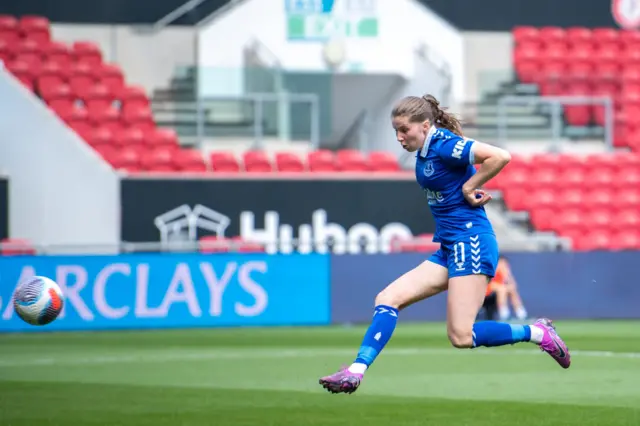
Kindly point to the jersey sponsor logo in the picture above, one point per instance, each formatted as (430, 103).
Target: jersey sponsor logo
(434, 197)
(183, 222)
(187, 224)
(626, 13)
(457, 150)
(429, 170)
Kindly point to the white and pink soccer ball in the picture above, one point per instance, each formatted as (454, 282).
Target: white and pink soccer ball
(38, 300)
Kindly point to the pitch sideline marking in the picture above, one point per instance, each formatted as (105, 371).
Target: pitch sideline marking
(234, 353)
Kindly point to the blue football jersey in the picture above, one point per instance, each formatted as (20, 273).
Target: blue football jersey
(443, 165)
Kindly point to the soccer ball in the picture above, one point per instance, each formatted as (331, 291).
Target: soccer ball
(38, 300)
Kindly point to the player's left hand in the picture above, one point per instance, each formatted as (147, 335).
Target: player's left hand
(476, 197)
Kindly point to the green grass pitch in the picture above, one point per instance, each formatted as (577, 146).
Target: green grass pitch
(269, 376)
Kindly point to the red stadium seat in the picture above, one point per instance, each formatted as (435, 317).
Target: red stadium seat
(108, 118)
(628, 218)
(595, 240)
(16, 247)
(224, 162)
(517, 199)
(88, 53)
(158, 160)
(133, 98)
(131, 137)
(351, 161)
(599, 218)
(101, 137)
(8, 22)
(382, 161)
(625, 240)
(242, 246)
(628, 37)
(214, 244)
(57, 52)
(322, 161)
(6, 52)
(140, 117)
(190, 160)
(111, 76)
(544, 218)
(163, 138)
(572, 198)
(78, 119)
(81, 79)
(98, 97)
(23, 70)
(289, 162)
(605, 36)
(525, 34)
(35, 28)
(256, 161)
(52, 73)
(127, 159)
(579, 70)
(577, 35)
(552, 34)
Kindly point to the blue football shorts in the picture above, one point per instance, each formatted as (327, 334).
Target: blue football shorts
(471, 255)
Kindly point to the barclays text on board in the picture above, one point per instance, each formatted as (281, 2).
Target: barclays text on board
(187, 290)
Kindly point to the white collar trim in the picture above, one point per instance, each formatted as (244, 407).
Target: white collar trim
(427, 141)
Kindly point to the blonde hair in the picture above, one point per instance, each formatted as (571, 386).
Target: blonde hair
(427, 107)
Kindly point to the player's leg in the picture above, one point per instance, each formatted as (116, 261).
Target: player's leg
(467, 287)
(427, 279)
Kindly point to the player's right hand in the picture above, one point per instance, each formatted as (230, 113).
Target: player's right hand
(477, 197)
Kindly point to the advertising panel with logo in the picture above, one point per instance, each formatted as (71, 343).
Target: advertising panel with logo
(166, 290)
(4, 207)
(286, 215)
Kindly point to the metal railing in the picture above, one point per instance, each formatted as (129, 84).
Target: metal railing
(283, 99)
(187, 7)
(556, 104)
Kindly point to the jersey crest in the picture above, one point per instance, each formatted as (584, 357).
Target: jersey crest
(428, 169)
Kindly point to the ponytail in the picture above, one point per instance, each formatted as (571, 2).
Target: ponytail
(441, 118)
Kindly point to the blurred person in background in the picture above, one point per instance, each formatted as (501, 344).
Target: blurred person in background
(501, 290)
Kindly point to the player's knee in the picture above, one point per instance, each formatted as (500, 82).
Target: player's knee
(460, 338)
(388, 298)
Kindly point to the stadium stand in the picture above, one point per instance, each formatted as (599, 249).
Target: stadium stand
(115, 118)
(581, 61)
(93, 98)
(558, 191)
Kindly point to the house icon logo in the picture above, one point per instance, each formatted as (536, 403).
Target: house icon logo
(183, 223)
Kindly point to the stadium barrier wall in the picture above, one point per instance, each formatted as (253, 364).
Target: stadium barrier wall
(594, 285)
(277, 211)
(175, 290)
(62, 191)
(4, 207)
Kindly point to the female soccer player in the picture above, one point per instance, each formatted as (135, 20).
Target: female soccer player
(468, 252)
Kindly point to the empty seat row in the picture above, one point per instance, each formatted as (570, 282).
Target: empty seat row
(316, 161)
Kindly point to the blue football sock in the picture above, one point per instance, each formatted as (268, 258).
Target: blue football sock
(493, 333)
(378, 334)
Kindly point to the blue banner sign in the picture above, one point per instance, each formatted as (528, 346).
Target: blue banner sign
(175, 290)
(559, 285)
